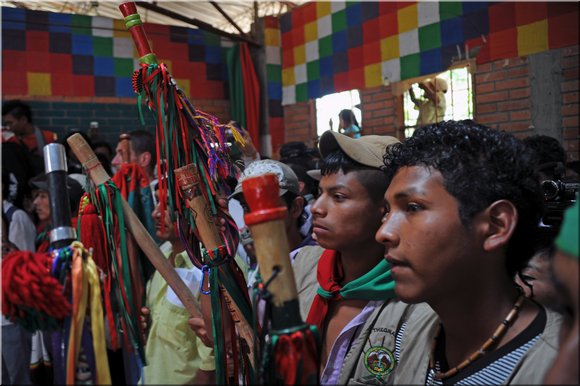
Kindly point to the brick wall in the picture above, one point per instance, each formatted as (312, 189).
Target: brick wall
(115, 115)
(502, 91)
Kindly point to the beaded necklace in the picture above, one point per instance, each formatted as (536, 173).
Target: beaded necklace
(492, 341)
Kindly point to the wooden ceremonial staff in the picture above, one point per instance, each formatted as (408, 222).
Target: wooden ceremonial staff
(99, 176)
(189, 183)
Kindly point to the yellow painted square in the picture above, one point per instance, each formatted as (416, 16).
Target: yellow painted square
(184, 85)
(311, 31)
(373, 76)
(299, 55)
(288, 78)
(322, 8)
(390, 48)
(120, 30)
(39, 83)
(272, 37)
(407, 18)
(533, 38)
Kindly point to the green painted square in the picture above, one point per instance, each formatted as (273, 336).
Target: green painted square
(325, 46)
(81, 25)
(339, 21)
(450, 9)
(430, 37)
(313, 70)
(274, 72)
(123, 67)
(102, 46)
(301, 92)
(410, 66)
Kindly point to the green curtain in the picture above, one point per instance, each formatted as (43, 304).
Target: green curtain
(236, 86)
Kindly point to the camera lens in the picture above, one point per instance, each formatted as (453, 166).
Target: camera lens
(550, 189)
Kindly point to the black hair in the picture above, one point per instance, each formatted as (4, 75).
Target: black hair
(549, 154)
(348, 117)
(479, 165)
(310, 184)
(289, 199)
(372, 179)
(17, 108)
(142, 141)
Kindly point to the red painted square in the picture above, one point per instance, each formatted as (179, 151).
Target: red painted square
(355, 58)
(527, 13)
(172, 51)
(371, 30)
(309, 12)
(502, 16)
(181, 69)
(559, 30)
(297, 36)
(387, 7)
(208, 90)
(341, 82)
(503, 44)
(276, 126)
(36, 61)
(403, 4)
(287, 40)
(83, 85)
(371, 52)
(388, 25)
(152, 29)
(288, 58)
(63, 85)
(357, 78)
(37, 41)
(13, 61)
(298, 17)
(271, 22)
(559, 8)
(14, 83)
(60, 64)
(483, 54)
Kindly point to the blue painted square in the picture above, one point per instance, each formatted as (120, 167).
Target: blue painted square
(369, 10)
(340, 62)
(13, 39)
(476, 24)
(274, 90)
(339, 42)
(474, 6)
(105, 86)
(82, 65)
(37, 21)
(286, 22)
(326, 85)
(452, 31)
(353, 14)
(213, 54)
(82, 44)
(431, 61)
(314, 89)
(447, 55)
(60, 42)
(59, 22)
(354, 36)
(194, 36)
(123, 87)
(104, 66)
(13, 18)
(326, 68)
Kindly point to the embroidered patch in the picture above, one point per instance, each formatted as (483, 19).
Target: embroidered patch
(379, 361)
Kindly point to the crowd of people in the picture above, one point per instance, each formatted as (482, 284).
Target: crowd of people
(437, 259)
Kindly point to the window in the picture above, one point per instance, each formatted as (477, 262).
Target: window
(328, 107)
(458, 98)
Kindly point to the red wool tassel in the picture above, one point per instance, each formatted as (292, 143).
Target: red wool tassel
(92, 235)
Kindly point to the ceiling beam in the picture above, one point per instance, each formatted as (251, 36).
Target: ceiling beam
(198, 23)
(228, 18)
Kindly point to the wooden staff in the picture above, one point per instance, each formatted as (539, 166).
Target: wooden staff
(99, 176)
(189, 183)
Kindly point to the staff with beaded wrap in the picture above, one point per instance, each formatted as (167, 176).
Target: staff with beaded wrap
(206, 225)
(292, 352)
(99, 176)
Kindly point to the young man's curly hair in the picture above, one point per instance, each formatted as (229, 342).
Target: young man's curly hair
(479, 165)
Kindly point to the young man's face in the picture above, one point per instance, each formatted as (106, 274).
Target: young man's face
(16, 125)
(41, 205)
(164, 229)
(429, 249)
(344, 215)
(118, 159)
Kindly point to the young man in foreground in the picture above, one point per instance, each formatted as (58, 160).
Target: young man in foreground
(462, 205)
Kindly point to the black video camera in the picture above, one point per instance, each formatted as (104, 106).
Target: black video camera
(559, 194)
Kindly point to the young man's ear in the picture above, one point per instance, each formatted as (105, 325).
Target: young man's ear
(499, 222)
(297, 207)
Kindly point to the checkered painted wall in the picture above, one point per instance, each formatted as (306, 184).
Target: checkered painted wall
(274, 75)
(334, 46)
(54, 54)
